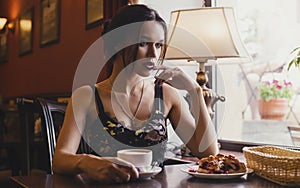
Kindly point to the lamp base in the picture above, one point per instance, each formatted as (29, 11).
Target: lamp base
(210, 97)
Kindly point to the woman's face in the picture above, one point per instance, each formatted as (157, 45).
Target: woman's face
(149, 47)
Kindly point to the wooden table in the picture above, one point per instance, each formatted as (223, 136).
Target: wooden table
(171, 176)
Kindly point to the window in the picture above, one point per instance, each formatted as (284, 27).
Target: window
(270, 31)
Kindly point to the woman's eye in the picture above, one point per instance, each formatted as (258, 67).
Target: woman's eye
(158, 45)
(142, 44)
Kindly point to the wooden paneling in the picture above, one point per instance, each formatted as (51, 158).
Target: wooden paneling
(49, 69)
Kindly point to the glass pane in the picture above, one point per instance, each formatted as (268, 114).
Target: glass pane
(270, 31)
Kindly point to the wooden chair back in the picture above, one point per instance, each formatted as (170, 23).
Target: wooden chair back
(51, 114)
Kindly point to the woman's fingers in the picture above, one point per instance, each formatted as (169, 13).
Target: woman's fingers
(175, 77)
(114, 174)
(110, 169)
(160, 67)
(122, 169)
(128, 167)
(120, 175)
(124, 164)
(166, 74)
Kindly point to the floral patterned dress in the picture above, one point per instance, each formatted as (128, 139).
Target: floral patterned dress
(106, 136)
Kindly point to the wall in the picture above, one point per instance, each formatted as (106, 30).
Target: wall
(47, 70)
(165, 7)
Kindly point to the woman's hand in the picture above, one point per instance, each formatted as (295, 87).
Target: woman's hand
(108, 169)
(176, 78)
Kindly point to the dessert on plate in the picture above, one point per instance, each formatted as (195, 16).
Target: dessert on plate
(221, 164)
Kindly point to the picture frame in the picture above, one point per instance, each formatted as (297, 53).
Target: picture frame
(3, 48)
(26, 32)
(49, 22)
(94, 14)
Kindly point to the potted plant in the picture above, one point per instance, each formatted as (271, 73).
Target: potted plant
(295, 58)
(275, 97)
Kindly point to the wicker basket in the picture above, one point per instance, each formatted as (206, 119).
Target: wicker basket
(279, 165)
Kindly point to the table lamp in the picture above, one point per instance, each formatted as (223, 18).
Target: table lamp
(208, 36)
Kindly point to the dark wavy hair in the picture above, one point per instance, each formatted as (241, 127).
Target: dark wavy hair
(128, 15)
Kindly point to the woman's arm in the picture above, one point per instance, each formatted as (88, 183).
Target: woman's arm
(65, 159)
(204, 136)
(193, 126)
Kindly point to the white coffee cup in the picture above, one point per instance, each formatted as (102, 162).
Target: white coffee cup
(138, 157)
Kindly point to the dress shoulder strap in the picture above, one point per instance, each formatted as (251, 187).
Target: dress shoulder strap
(99, 102)
(158, 97)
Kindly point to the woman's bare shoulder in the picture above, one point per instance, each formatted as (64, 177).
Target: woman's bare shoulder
(84, 90)
(171, 95)
(169, 90)
(83, 94)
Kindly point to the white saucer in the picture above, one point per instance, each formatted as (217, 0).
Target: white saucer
(149, 172)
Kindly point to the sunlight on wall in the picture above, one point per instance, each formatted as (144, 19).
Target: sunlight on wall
(164, 7)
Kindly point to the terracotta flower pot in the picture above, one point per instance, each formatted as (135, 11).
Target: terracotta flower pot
(275, 109)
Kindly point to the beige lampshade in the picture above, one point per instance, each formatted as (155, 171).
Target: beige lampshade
(203, 34)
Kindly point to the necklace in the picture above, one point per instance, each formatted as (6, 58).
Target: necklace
(126, 108)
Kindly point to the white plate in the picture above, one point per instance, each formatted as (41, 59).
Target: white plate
(214, 176)
(147, 173)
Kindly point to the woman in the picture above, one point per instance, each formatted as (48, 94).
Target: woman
(129, 110)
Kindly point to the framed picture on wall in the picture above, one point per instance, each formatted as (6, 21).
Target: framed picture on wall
(26, 32)
(3, 48)
(50, 22)
(94, 13)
